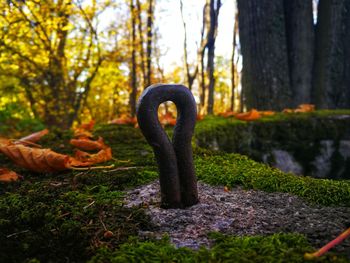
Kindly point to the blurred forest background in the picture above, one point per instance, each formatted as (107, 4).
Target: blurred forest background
(66, 61)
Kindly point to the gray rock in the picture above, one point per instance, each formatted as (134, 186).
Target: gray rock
(286, 162)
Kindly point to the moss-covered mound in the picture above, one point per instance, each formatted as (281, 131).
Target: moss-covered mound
(78, 216)
(318, 143)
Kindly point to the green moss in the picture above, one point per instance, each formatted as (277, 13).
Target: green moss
(235, 169)
(52, 224)
(273, 248)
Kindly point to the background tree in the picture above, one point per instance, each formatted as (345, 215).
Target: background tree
(265, 76)
(331, 80)
(52, 48)
(133, 80)
(214, 8)
(300, 48)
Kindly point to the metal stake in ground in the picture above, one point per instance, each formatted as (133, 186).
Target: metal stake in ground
(178, 184)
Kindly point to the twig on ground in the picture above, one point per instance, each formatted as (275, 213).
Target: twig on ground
(123, 169)
(17, 233)
(87, 206)
(92, 168)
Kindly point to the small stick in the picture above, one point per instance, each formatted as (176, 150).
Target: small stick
(123, 169)
(328, 246)
(103, 224)
(15, 234)
(87, 206)
(63, 215)
(92, 168)
(121, 161)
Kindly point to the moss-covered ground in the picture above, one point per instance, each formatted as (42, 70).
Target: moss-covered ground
(78, 216)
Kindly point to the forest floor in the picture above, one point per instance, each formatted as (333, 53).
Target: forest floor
(248, 212)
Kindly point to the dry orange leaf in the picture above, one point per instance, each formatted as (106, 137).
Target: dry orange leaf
(167, 119)
(227, 114)
(86, 159)
(124, 119)
(200, 117)
(305, 108)
(267, 113)
(34, 137)
(248, 116)
(87, 126)
(288, 111)
(88, 145)
(7, 175)
(35, 159)
(4, 141)
(81, 133)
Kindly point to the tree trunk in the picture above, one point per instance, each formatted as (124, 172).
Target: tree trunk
(265, 76)
(150, 14)
(133, 93)
(141, 47)
(201, 53)
(300, 45)
(331, 83)
(233, 64)
(214, 8)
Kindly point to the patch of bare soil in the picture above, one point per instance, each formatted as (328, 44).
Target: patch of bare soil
(240, 212)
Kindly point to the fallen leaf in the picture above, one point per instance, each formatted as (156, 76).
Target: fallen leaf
(81, 133)
(88, 145)
(87, 126)
(35, 159)
(288, 111)
(267, 113)
(167, 119)
(227, 114)
(5, 141)
(305, 108)
(200, 117)
(248, 116)
(33, 138)
(124, 119)
(7, 175)
(82, 158)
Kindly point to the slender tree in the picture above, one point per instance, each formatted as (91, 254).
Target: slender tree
(150, 18)
(214, 8)
(201, 55)
(141, 41)
(133, 77)
(233, 63)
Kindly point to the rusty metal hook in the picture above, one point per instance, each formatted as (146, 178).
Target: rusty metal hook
(178, 184)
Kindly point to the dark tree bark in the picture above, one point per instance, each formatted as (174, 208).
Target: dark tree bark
(233, 64)
(201, 53)
(331, 82)
(133, 93)
(141, 43)
(300, 45)
(265, 76)
(150, 14)
(214, 8)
